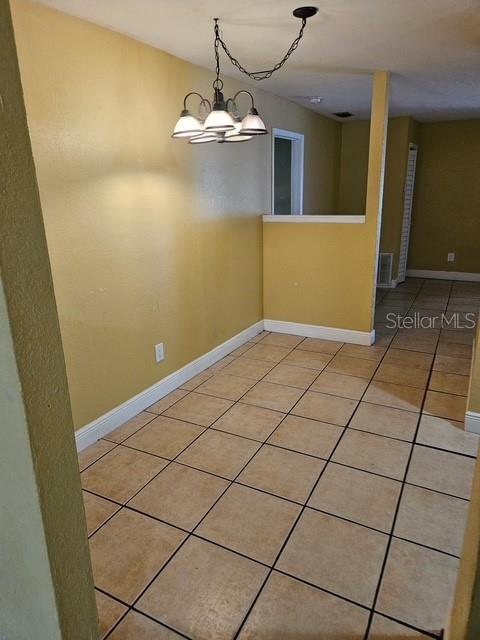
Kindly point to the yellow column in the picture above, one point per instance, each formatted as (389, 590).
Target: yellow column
(46, 586)
(376, 171)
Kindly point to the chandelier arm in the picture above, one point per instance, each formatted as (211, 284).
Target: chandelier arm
(255, 75)
(194, 93)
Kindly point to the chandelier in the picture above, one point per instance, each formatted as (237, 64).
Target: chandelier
(219, 120)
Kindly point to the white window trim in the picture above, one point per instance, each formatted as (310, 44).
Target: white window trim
(298, 160)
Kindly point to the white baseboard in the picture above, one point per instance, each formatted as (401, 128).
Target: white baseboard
(103, 425)
(472, 422)
(444, 275)
(315, 331)
(95, 430)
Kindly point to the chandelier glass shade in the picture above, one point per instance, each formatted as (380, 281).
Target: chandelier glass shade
(220, 120)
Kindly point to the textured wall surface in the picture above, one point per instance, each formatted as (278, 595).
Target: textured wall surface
(447, 197)
(324, 274)
(46, 587)
(151, 239)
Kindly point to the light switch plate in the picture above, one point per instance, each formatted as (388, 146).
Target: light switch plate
(159, 352)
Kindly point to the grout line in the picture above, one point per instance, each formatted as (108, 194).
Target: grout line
(305, 504)
(397, 509)
(262, 444)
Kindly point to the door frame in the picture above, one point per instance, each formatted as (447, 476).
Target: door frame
(298, 161)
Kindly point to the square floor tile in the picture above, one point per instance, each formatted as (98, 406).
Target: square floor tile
(249, 368)
(443, 433)
(226, 386)
(167, 401)
(445, 405)
(324, 407)
(441, 471)
(447, 364)
(94, 452)
(130, 427)
(165, 437)
(272, 396)
(357, 495)
(180, 495)
(287, 609)
(128, 551)
(121, 473)
(338, 384)
(417, 586)
(334, 554)
(462, 336)
(97, 511)
(374, 352)
(249, 421)
(197, 380)
(373, 453)
(394, 395)
(199, 409)
(455, 350)
(221, 364)
(282, 340)
(109, 612)
(306, 436)
(292, 376)
(386, 629)
(359, 367)
(239, 351)
(285, 473)
(219, 453)
(399, 374)
(137, 627)
(449, 383)
(268, 352)
(204, 592)
(385, 421)
(408, 358)
(250, 522)
(308, 359)
(328, 347)
(432, 519)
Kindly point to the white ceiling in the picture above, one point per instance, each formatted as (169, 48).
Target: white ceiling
(432, 47)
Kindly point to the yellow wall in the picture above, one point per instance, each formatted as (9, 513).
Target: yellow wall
(151, 239)
(353, 169)
(323, 274)
(447, 197)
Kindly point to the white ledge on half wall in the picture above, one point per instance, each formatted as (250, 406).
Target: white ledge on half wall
(319, 219)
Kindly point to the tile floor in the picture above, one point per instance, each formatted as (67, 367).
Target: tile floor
(300, 488)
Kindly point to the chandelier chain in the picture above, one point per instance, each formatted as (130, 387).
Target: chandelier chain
(254, 75)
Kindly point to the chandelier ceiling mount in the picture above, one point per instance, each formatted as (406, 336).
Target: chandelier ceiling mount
(220, 120)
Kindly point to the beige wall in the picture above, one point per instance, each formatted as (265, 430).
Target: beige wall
(447, 197)
(151, 240)
(353, 167)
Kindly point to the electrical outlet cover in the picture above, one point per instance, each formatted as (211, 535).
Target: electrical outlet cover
(451, 257)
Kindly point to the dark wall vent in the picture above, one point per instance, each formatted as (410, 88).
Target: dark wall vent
(343, 114)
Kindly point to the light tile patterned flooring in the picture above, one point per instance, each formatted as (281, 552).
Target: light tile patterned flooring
(300, 488)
